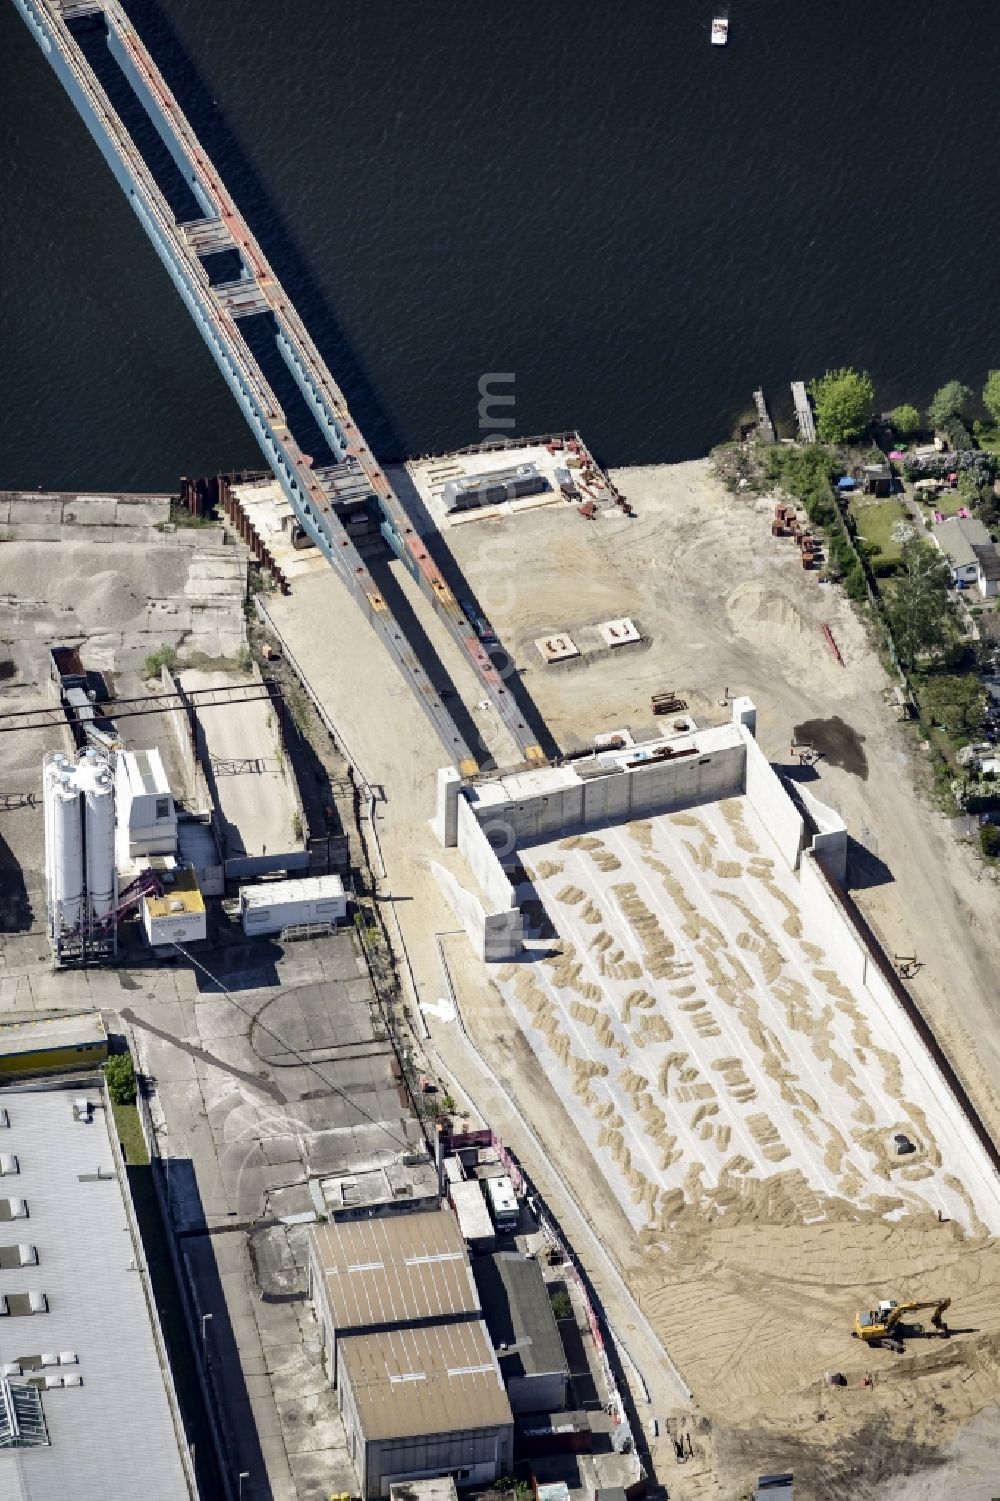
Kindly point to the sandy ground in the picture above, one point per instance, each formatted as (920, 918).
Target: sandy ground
(756, 1313)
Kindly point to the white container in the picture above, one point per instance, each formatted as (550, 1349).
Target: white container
(274, 905)
(64, 851)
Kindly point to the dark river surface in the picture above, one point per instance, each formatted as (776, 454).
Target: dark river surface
(639, 226)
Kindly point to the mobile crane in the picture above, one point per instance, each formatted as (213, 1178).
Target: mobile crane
(877, 1326)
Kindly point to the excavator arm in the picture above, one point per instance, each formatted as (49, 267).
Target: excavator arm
(901, 1309)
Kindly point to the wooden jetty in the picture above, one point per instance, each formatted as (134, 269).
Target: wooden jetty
(764, 423)
(803, 412)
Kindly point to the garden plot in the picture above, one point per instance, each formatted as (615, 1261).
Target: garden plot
(710, 1052)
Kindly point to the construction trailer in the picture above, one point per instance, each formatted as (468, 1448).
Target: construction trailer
(274, 905)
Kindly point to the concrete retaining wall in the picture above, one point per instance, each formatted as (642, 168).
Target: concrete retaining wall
(855, 952)
(495, 936)
(642, 792)
(483, 859)
(843, 949)
(829, 843)
(771, 802)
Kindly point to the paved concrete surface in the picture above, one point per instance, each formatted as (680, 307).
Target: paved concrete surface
(256, 803)
(292, 1076)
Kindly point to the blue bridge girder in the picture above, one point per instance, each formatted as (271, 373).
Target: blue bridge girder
(217, 310)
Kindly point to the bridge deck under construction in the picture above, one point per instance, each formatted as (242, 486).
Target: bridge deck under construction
(221, 310)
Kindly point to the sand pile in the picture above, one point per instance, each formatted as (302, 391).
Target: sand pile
(771, 620)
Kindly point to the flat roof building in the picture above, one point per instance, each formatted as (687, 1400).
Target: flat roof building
(48, 1044)
(397, 1271)
(522, 1326)
(87, 1404)
(424, 1401)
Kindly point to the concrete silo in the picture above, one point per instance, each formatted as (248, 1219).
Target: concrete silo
(64, 873)
(97, 784)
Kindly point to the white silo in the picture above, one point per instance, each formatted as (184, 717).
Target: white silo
(64, 850)
(97, 784)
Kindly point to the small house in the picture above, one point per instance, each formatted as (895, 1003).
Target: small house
(987, 568)
(876, 479)
(957, 538)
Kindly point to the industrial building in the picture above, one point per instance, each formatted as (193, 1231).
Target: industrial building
(34, 1044)
(87, 1403)
(110, 846)
(518, 1314)
(147, 818)
(406, 1187)
(425, 1401)
(396, 1272)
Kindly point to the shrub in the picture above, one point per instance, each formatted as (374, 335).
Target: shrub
(562, 1306)
(163, 656)
(120, 1074)
(989, 841)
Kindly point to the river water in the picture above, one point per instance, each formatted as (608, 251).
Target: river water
(639, 226)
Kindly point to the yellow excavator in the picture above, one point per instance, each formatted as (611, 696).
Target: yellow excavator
(877, 1326)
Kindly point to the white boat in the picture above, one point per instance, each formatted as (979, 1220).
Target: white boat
(720, 31)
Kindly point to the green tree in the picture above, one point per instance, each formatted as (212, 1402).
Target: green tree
(843, 400)
(905, 420)
(920, 607)
(991, 394)
(957, 702)
(120, 1074)
(948, 403)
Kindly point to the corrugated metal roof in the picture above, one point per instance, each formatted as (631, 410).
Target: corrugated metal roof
(442, 1379)
(518, 1314)
(394, 1270)
(114, 1434)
